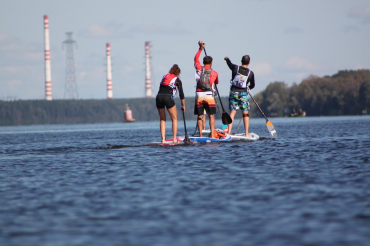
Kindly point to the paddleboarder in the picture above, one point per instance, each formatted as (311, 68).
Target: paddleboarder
(242, 80)
(204, 100)
(168, 88)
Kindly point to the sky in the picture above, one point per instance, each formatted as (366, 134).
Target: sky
(287, 40)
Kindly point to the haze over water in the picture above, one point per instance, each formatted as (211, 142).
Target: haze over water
(99, 184)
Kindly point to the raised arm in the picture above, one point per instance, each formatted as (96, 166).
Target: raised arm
(197, 64)
(229, 63)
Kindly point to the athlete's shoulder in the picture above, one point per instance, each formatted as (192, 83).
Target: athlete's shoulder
(245, 70)
(214, 72)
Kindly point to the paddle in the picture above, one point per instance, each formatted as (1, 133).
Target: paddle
(219, 111)
(196, 128)
(226, 119)
(240, 121)
(270, 126)
(186, 140)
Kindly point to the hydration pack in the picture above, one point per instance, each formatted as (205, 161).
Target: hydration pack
(240, 80)
(204, 82)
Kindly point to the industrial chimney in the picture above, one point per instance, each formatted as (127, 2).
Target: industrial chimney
(109, 74)
(148, 86)
(48, 94)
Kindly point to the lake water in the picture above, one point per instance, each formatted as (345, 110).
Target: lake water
(99, 184)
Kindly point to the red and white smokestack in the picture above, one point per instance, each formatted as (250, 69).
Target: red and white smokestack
(48, 95)
(109, 74)
(148, 86)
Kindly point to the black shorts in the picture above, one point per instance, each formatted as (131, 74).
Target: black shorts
(204, 101)
(208, 110)
(162, 101)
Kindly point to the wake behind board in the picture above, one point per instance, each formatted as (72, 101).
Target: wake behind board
(210, 140)
(238, 136)
(169, 142)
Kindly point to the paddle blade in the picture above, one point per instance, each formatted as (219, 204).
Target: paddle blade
(226, 119)
(187, 140)
(271, 128)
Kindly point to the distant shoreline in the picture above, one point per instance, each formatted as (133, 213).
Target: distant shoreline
(344, 93)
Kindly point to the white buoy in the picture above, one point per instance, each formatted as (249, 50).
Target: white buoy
(128, 115)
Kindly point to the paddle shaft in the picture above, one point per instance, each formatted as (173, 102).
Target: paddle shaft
(240, 121)
(258, 106)
(186, 133)
(218, 107)
(183, 117)
(270, 126)
(196, 127)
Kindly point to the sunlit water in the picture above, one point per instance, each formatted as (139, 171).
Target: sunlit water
(99, 184)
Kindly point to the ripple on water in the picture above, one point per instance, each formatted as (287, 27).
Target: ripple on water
(309, 186)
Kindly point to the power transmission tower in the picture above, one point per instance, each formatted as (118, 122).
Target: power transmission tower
(70, 89)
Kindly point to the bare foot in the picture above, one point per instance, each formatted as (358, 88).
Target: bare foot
(248, 135)
(163, 140)
(175, 140)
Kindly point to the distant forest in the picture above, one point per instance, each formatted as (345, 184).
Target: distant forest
(344, 93)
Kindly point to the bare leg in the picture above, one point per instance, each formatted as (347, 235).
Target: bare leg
(173, 114)
(200, 123)
(162, 123)
(212, 125)
(232, 115)
(246, 123)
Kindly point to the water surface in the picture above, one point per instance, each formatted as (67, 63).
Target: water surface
(99, 184)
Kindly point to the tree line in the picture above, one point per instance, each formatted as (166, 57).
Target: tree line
(344, 93)
(33, 112)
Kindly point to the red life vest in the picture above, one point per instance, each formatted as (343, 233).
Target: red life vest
(170, 80)
(218, 134)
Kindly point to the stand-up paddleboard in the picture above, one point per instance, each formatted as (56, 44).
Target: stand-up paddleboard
(169, 142)
(207, 131)
(210, 140)
(238, 136)
(241, 136)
